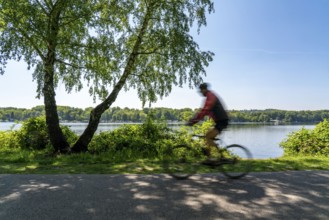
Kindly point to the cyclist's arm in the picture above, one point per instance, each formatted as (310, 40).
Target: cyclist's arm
(209, 104)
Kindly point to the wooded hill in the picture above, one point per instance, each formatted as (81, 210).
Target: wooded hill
(117, 114)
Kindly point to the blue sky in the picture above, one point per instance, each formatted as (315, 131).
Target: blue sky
(268, 54)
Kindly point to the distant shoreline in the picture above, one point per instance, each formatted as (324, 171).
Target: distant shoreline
(176, 116)
(169, 123)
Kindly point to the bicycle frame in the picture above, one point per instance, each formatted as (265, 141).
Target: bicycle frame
(232, 164)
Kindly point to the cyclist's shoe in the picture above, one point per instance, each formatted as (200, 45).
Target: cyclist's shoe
(210, 162)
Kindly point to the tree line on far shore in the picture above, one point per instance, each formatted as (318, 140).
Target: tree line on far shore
(117, 114)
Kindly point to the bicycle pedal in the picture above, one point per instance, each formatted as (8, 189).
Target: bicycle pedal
(227, 161)
(210, 162)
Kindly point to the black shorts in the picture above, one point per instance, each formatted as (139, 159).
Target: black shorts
(221, 125)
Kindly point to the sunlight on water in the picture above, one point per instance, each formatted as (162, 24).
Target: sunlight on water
(262, 140)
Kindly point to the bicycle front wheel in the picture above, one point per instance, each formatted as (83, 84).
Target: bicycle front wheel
(236, 161)
(179, 162)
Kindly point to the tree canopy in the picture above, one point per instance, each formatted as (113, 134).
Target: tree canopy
(95, 39)
(118, 44)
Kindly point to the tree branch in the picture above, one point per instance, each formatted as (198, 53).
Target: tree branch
(43, 9)
(131, 60)
(154, 51)
(70, 21)
(49, 4)
(69, 64)
(36, 29)
(75, 45)
(151, 52)
(25, 35)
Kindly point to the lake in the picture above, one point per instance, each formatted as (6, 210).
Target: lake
(262, 140)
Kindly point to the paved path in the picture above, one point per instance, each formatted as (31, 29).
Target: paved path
(282, 195)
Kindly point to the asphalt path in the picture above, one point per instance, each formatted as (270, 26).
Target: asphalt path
(278, 195)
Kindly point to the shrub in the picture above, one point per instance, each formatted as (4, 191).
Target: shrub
(135, 141)
(321, 132)
(8, 140)
(70, 136)
(130, 138)
(34, 134)
(308, 142)
(147, 140)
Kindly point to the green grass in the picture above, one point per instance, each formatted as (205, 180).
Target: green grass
(38, 162)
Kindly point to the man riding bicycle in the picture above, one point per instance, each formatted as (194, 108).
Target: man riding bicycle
(215, 110)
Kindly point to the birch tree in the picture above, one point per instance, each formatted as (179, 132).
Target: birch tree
(113, 45)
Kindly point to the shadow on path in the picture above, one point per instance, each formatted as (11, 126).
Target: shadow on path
(281, 195)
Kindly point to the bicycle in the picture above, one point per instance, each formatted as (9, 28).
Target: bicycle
(182, 161)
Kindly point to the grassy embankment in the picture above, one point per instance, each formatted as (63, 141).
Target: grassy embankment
(134, 142)
(36, 162)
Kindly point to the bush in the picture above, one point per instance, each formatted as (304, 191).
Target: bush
(308, 142)
(8, 140)
(34, 134)
(70, 136)
(136, 141)
(321, 132)
(148, 140)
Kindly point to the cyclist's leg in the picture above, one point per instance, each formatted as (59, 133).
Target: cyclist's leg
(210, 135)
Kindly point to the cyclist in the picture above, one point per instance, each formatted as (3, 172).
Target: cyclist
(213, 108)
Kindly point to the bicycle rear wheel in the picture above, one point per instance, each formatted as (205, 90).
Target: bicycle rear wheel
(236, 161)
(180, 161)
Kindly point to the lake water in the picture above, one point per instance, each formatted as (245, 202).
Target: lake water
(262, 140)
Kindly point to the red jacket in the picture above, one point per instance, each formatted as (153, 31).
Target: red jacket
(212, 108)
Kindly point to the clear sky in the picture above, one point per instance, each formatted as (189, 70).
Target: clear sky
(268, 54)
